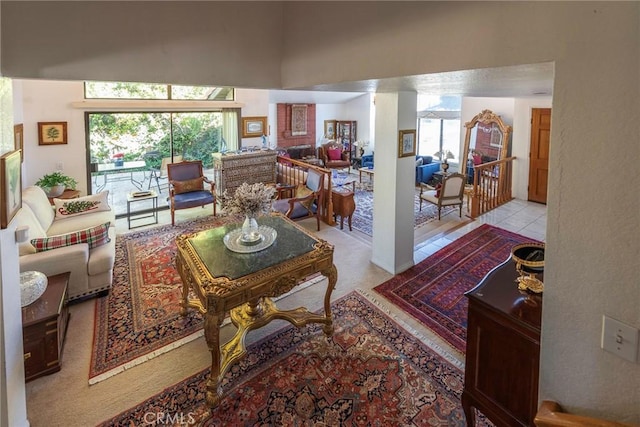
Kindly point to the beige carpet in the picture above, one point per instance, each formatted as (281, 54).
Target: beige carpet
(65, 398)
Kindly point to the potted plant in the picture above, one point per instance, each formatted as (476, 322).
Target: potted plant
(55, 183)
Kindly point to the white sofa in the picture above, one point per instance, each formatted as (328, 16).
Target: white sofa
(91, 269)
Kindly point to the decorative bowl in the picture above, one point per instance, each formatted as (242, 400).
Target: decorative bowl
(529, 259)
(32, 286)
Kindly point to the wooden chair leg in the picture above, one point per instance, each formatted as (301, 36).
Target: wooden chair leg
(420, 204)
(173, 216)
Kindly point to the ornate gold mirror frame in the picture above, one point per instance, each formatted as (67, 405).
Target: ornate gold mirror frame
(487, 136)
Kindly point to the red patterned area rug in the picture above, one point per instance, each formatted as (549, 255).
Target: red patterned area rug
(362, 218)
(140, 318)
(433, 290)
(370, 372)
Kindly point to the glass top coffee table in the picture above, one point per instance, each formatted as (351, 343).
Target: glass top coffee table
(244, 283)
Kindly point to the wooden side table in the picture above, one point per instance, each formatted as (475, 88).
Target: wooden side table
(343, 204)
(145, 195)
(67, 194)
(44, 326)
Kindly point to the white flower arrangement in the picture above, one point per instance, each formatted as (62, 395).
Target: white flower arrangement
(249, 199)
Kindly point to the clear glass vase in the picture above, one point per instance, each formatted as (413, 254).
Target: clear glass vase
(250, 231)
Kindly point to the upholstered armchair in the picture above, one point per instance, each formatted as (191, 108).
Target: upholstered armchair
(334, 156)
(186, 187)
(367, 161)
(307, 200)
(450, 193)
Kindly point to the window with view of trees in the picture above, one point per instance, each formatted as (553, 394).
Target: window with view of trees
(439, 125)
(126, 148)
(127, 90)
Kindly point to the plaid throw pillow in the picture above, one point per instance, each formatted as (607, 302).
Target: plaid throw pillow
(189, 185)
(94, 236)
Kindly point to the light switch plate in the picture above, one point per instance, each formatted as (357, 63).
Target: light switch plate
(619, 338)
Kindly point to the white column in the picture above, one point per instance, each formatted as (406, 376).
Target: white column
(394, 183)
(13, 406)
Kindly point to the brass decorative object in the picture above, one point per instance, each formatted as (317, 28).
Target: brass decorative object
(529, 259)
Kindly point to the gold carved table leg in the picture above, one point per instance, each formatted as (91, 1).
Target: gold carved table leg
(252, 315)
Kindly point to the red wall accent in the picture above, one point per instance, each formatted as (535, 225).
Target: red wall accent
(285, 139)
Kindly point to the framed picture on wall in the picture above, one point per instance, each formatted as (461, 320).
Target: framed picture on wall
(330, 129)
(52, 133)
(254, 126)
(18, 139)
(407, 143)
(10, 186)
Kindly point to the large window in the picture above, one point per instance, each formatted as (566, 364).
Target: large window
(129, 150)
(439, 125)
(127, 90)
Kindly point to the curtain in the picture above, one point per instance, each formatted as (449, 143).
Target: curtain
(230, 128)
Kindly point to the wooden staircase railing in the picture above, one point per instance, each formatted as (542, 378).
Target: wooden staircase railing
(492, 185)
(551, 414)
(294, 173)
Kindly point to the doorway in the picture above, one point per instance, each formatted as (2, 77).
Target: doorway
(539, 154)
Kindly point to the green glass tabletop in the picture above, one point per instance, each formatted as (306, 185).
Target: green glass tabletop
(221, 262)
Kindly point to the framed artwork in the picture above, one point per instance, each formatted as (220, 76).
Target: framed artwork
(52, 133)
(18, 139)
(299, 120)
(330, 129)
(407, 143)
(254, 126)
(10, 186)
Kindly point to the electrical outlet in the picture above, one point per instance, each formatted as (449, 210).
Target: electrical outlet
(59, 166)
(619, 338)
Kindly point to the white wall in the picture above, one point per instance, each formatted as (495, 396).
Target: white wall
(359, 109)
(327, 112)
(50, 101)
(256, 104)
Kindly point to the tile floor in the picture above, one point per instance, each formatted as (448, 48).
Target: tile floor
(518, 216)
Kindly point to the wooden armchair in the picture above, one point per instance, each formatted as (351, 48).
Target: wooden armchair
(333, 156)
(307, 200)
(450, 194)
(186, 187)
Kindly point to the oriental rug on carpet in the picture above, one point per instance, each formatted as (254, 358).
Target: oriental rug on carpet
(362, 218)
(369, 372)
(433, 290)
(140, 318)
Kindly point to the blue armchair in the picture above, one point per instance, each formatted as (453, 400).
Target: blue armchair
(367, 161)
(425, 169)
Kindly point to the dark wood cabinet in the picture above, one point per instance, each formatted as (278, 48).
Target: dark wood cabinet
(503, 350)
(44, 325)
(346, 134)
